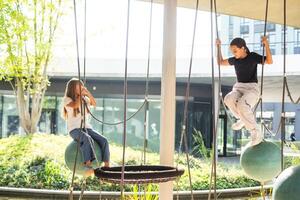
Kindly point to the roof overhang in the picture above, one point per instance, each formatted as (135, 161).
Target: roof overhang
(253, 9)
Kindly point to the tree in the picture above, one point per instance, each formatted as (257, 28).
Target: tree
(27, 30)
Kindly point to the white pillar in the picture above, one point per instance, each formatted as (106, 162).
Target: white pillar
(168, 89)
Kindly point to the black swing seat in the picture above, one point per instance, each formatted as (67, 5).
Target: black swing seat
(138, 174)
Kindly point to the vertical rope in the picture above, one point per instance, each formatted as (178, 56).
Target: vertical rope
(84, 67)
(83, 186)
(146, 113)
(214, 160)
(283, 87)
(82, 107)
(85, 107)
(214, 168)
(100, 190)
(125, 103)
(263, 67)
(84, 45)
(78, 69)
(186, 101)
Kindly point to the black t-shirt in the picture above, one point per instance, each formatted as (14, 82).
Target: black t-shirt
(246, 68)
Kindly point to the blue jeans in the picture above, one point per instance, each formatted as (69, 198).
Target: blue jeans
(86, 139)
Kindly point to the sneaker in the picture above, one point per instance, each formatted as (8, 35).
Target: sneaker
(238, 125)
(256, 137)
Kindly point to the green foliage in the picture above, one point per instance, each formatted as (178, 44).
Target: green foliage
(26, 35)
(36, 161)
(38, 173)
(292, 160)
(27, 29)
(139, 194)
(199, 148)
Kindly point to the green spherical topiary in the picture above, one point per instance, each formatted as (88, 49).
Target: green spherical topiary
(286, 186)
(261, 162)
(70, 155)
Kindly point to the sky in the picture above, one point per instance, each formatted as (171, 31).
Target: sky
(106, 29)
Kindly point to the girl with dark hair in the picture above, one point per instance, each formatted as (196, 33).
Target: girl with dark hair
(72, 115)
(245, 92)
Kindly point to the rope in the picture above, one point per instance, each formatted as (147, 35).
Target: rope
(78, 68)
(283, 87)
(84, 45)
(82, 102)
(146, 113)
(185, 112)
(213, 175)
(120, 122)
(290, 95)
(100, 192)
(263, 66)
(83, 186)
(125, 103)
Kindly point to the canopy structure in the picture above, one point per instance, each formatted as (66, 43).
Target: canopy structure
(253, 9)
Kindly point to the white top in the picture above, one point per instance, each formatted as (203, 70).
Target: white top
(74, 122)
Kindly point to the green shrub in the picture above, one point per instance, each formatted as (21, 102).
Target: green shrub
(147, 189)
(37, 161)
(199, 148)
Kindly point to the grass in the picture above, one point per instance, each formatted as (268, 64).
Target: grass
(37, 161)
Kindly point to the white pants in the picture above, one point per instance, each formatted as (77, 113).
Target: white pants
(241, 101)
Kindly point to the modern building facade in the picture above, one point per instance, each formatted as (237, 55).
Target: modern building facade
(252, 31)
(107, 86)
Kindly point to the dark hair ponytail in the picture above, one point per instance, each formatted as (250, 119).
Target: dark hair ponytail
(240, 43)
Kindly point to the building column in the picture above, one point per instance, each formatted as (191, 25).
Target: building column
(168, 94)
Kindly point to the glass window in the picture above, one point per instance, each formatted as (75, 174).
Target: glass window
(154, 125)
(202, 120)
(257, 48)
(98, 112)
(297, 50)
(231, 20)
(297, 37)
(272, 38)
(257, 38)
(271, 27)
(230, 32)
(61, 125)
(49, 102)
(10, 121)
(1, 114)
(244, 29)
(258, 28)
(273, 49)
(289, 124)
(112, 112)
(267, 117)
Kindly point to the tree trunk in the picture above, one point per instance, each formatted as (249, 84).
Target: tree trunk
(36, 110)
(22, 107)
(29, 119)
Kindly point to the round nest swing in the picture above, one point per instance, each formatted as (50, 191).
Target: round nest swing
(138, 174)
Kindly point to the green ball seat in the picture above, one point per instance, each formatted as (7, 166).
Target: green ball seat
(287, 185)
(261, 162)
(70, 154)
